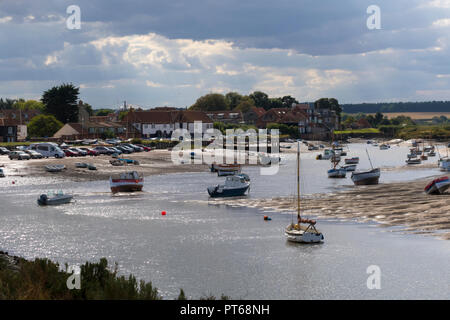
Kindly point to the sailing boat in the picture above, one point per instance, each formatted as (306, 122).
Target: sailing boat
(306, 233)
(366, 177)
(336, 172)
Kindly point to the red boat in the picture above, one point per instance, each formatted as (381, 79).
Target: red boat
(126, 182)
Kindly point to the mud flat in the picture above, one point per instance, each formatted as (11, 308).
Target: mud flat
(392, 204)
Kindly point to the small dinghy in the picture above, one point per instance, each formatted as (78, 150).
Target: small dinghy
(337, 173)
(91, 167)
(55, 168)
(413, 161)
(438, 186)
(116, 162)
(54, 199)
(81, 165)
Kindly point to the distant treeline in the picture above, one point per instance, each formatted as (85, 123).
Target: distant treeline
(384, 107)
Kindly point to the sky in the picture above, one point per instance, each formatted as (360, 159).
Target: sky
(155, 53)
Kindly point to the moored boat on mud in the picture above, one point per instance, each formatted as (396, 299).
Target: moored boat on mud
(54, 198)
(354, 160)
(55, 168)
(438, 186)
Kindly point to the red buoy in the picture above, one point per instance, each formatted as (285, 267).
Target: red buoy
(163, 213)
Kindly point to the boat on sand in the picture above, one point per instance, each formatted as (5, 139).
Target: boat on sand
(130, 181)
(438, 186)
(54, 198)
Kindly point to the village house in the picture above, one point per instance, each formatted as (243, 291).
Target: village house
(13, 124)
(226, 116)
(155, 123)
(253, 114)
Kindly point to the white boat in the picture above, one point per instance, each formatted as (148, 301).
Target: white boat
(438, 186)
(304, 231)
(47, 199)
(413, 161)
(55, 168)
(227, 169)
(126, 182)
(327, 154)
(367, 177)
(234, 186)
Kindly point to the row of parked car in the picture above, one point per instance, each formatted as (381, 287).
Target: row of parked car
(40, 150)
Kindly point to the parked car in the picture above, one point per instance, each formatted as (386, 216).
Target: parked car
(3, 150)
(34, 154)
(113, 141)
(134, 147)
(125, 149)
(47, 149)
(144, 147)
(80, 151)
(116, 150)
(71, 153)
(20, 155)
(103, 150)
(90, 152)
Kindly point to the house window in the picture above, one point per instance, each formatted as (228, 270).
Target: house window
(153, 126)
(10, 130)
(91, 130)
(101, 130)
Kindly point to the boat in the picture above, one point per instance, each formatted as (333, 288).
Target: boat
(81, 165)
(55, 168)
(367, 177)
(444, 164)
(354, 160)
(438, 186)
(227, 169)
(349, 167)
(431, 154)
(129, 181)
(266, 159)
(47, 199)
(116, 162)
(234, 186)
(327, 154)
(337, 173)
(384, 146)
(304, 231)
(413, 161)
(91, 167)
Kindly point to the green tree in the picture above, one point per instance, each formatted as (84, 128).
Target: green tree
(210, 102)
(61, 101)
(288, 101)
(7, 103)
(43, 126)
(245, 105)
(233, 99)
(261, 100)
(103, 112)
(28, 105)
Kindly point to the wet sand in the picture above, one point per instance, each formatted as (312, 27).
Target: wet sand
(393, 204)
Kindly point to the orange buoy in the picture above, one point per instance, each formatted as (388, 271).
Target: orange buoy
(267, 218)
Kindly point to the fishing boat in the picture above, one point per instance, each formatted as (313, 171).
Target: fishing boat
(438, 186)
(349, 167)
(234, 186)
(228, 169)
(47, 199)
(304, 231)
(55, 168)
(367, 177)
(413, 161)
(354, 160)
(129, 181)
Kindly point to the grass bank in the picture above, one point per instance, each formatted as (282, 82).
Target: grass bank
(43, 279)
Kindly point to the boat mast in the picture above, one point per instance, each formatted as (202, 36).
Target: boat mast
(369, 158)
(298, 183)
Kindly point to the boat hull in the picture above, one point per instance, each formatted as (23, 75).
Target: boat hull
(216, 192)
(438, 186)
(43, 201)
(337, 173)
(366, 178)
(303, 236)
(123, 185)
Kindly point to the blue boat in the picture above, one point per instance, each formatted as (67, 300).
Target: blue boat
(234, 186)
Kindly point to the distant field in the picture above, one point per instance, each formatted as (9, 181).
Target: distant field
(416, 115)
